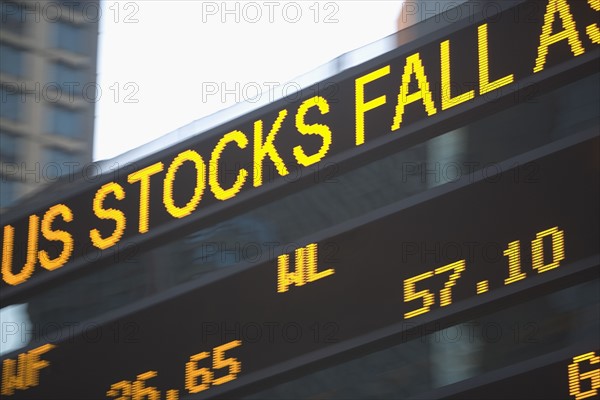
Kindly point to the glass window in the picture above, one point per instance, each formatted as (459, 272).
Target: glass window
(8, 147)
(8, 191)
(11, 60)
(58, 162)
(11, 16)
(10, 105)
(65, 122)
(70, 79)
(69, 37)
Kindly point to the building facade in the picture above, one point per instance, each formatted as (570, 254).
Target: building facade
(47, 92)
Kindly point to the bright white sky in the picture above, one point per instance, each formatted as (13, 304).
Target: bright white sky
(167, 54)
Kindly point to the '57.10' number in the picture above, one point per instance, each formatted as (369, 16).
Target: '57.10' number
(513, 252)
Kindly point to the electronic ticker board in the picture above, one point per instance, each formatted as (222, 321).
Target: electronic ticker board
(378, 104)
(502, 236)
(495, 239)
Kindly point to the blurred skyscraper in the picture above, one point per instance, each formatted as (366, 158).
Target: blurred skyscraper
(48, 92)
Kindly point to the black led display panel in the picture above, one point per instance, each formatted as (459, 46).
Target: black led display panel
(497, 237)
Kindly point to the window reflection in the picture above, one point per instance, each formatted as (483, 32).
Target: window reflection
(11, 104)
(70, 79)
(58, 162)
(8, 147)
(11, 60)
(64, 121)
(69, 37)
(12, 17)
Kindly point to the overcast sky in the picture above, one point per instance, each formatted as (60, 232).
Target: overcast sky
(163, 64)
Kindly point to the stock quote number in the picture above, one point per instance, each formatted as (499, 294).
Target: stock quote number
(591, 377)
(197, 378)
(513, 252)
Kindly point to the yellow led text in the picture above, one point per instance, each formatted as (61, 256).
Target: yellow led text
(196, 159)
(361, 106)
(513, 252)
(576, 376)
(7, 252)
(143, 177)
(447, 99)
(569, 32)
(137, 390)
(413, 66)
(56, 235)
(117, 215)
(485, 85)
(265, 147)
(213, 176)
(592, 30)
(313, 129)
(197, 378)
(24, 373)
(428, 298)
(306, 268)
